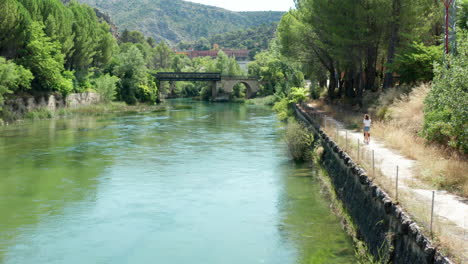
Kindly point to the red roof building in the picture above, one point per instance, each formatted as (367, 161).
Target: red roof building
(239, 54)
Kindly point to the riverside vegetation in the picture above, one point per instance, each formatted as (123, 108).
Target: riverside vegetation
(52, 47)
(362, 67)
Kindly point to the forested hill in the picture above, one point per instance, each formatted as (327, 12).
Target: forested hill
(177, 20)
(254, 39)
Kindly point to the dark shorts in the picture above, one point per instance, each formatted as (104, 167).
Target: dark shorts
(366, 129)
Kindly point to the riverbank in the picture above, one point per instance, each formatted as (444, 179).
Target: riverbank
(397, 120)
(48, 107)
(449, 224)
(99, 109)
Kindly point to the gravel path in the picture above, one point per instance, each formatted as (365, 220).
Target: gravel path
(448, 207)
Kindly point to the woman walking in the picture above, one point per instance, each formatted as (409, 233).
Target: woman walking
(367, 123)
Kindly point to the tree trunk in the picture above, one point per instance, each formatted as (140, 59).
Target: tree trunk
(322, 83)
(393, 43)
(370, 69)
(360, 84)
(332, 84)
(349, 84)
(340, 87)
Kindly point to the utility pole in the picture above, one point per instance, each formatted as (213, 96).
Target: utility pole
(450, 25)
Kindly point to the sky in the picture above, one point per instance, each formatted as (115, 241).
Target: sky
(249, 5)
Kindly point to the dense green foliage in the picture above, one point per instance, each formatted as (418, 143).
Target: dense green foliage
(254, 39)
(362, 46)
(415, 62)
(45, 61)
(13, 77)
(65, 48)
(54, 47)
(446, 107)
(277, 73)
(298, 95)
(106, 86)
(463, 15)
(353, 44)
(57, 43)
(176, 20)
(283, 105)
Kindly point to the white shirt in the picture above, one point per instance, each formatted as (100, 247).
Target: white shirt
(367, 122)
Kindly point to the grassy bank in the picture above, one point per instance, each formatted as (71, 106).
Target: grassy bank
(397, 121)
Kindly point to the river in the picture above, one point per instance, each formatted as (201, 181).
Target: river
(208, 183)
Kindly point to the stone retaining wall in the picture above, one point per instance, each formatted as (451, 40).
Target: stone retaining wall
(24, 104)
(381, 223)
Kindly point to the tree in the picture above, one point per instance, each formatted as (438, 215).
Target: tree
(415, 63)
(132, 37)
(106, 86)
(162, 56)
(179, 62)
(14, 19)
(277, 74)
(85, 29)
(44, 58)
(105, 47)
(203, 44)
(135, 85)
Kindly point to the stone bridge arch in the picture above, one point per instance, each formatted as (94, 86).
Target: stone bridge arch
(227, 85)
(221, 85)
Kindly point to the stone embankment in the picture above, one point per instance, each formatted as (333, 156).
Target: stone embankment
(24, 104)
(385, 227)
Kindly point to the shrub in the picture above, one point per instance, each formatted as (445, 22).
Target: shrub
(267, 100)
(13, 77)
(283, 108)
(239, 90)
(205, 93)
(41, 113)
(106, 86)
(298, 95)
(147, 92)
(446, 106)
(315, 91)
(298, 140)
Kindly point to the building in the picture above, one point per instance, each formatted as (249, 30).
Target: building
(238, 54)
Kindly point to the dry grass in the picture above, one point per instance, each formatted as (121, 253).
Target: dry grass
(449, 238)
(401, 118)
(437, 165)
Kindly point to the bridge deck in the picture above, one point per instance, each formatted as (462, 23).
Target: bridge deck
(198, 76)
(188, 76)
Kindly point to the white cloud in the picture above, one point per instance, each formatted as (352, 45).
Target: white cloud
(249, 5)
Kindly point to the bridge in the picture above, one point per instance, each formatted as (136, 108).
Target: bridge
(221, 85)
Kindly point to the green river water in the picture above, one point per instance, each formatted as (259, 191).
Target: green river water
(211, 185)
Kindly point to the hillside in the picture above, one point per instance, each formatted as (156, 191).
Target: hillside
(254, 39)
(177, 20)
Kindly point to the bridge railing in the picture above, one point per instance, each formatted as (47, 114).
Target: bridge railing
(188, 76)
(242, 77)
(198, 76)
